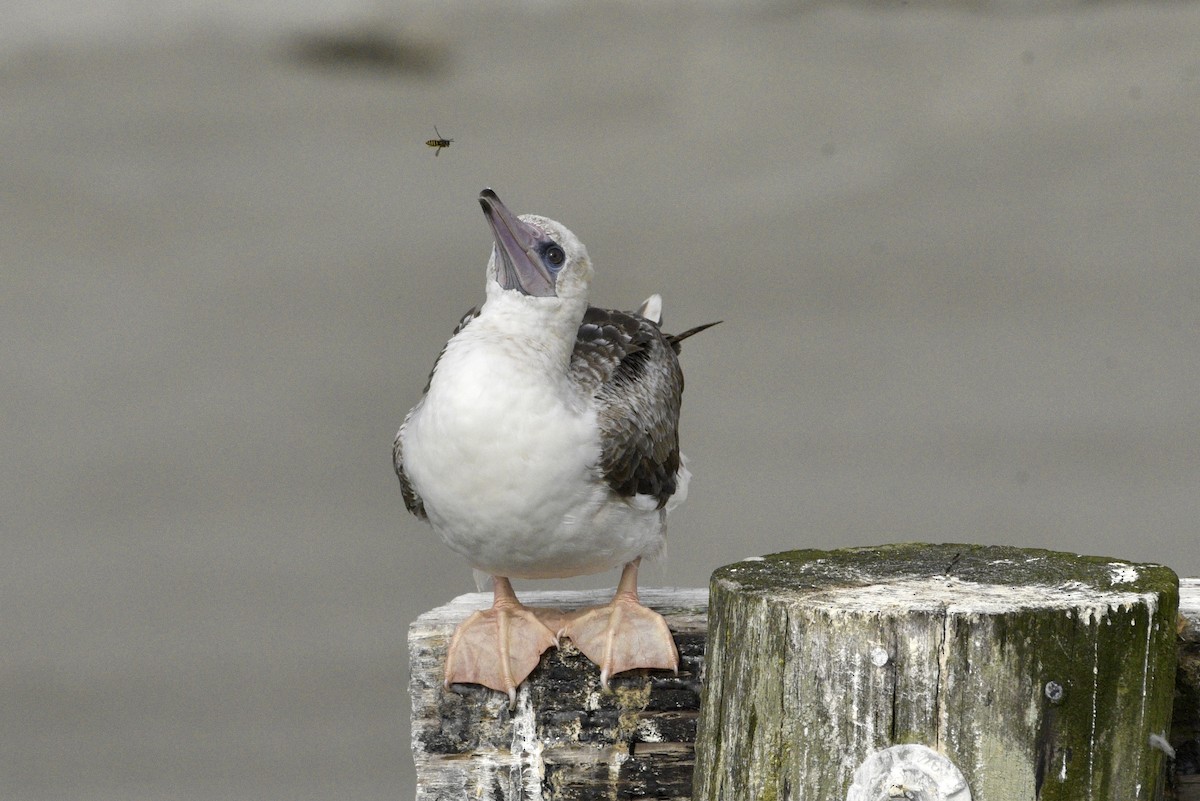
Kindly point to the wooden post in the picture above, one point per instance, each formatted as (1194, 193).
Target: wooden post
(567, 739)
(1185, 720)
(1005, 674)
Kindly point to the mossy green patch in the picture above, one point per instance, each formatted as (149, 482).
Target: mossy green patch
(807, 569)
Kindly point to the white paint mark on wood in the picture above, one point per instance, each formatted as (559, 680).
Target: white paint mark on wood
(1162, 744)
(649, 732)
(1150, 631)
(913, 772)
(1122, 573)
(1095, 717)
(527, 746)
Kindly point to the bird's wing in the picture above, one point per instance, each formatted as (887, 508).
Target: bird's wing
(412, 501)
(630, 368)
(471, 314)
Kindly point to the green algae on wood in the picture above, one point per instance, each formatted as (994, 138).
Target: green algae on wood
(1039, 674)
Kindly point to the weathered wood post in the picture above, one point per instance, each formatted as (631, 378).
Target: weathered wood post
(948, 672)
(1185, 719)
(567, 739)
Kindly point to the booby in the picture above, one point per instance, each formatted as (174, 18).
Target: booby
(546, 445)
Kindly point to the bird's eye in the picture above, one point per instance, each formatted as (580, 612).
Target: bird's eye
(555, 255)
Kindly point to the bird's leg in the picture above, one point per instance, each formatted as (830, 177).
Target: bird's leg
(500, 647)
(624, 634)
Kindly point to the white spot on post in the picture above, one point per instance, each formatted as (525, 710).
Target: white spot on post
(648, 731)
(527, 746)
(910, 772)
(1121, 573)
(1161, 743)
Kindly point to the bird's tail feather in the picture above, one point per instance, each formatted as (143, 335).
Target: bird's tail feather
(677, 338)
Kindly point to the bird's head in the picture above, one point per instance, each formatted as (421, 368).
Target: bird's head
(534, 256)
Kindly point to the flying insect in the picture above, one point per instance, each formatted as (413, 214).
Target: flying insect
(438, 143)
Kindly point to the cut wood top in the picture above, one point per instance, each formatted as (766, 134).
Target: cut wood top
(967, 578)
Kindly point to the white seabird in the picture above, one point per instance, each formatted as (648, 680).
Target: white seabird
(546, 445)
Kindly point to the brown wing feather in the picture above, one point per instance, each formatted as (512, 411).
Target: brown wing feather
(412, 501)
(631, 368)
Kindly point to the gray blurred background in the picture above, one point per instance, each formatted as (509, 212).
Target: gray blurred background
(956, 248)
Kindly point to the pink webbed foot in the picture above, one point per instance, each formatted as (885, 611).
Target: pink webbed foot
(623, 635)
(500, 647)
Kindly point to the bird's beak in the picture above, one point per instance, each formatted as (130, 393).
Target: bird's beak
(519, 263)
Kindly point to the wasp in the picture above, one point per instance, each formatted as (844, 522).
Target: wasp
(438, 143)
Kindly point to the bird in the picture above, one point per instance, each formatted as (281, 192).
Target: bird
(546, 445)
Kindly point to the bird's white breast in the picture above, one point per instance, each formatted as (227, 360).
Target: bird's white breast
(504, 456)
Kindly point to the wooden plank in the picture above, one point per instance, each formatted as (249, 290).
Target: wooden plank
(657, 761)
